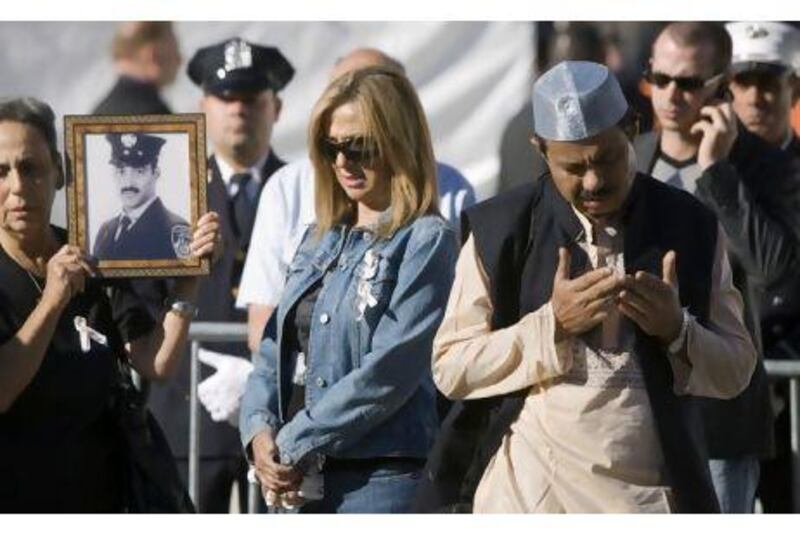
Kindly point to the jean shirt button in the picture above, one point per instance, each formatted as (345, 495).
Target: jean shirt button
(324, 318)
(321, 383)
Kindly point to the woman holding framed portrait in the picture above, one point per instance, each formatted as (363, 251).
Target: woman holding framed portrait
(62, 331)
(340, 411)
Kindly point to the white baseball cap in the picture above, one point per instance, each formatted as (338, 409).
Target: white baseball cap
(771, 46)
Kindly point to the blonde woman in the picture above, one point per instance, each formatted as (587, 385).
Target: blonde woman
(342, 390)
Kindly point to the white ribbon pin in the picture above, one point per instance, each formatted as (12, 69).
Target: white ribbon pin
(370, 265)
(87, 335)
(364, 288)
(300, 370)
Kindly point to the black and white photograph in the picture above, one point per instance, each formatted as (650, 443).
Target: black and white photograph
(134, 193)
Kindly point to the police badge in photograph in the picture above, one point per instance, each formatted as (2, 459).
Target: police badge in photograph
(136, 187)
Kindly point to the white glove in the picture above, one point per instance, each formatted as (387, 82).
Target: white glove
(221, 393)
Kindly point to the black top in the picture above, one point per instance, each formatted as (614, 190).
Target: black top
(58, 445)
(132, 97)
(302, 316)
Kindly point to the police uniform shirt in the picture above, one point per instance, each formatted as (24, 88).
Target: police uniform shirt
(154, 232)
(133, 216)
(253, 186)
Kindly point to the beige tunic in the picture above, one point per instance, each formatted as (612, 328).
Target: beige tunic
(585, 440)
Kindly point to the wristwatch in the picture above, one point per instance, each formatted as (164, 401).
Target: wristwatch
(183, 309)
(676, 345)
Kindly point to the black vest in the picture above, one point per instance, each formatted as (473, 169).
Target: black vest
(517, 236)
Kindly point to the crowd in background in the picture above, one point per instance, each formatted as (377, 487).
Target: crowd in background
(712, 107)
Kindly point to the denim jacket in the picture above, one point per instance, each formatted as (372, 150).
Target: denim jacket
(369, 390)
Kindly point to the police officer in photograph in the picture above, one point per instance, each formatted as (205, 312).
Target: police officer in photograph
(145, 228)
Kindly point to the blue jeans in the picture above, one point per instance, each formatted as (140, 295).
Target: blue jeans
(385, 489)
(735, 482)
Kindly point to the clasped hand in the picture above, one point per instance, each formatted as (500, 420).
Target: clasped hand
(582, 303)
(278, 482)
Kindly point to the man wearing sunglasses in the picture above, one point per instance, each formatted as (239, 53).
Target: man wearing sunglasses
(702, 149)
(240, 82)
(766, 58)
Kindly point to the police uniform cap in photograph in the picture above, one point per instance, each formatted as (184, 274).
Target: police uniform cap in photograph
(134, 149)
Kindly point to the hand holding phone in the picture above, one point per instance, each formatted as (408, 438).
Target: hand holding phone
(718, 127)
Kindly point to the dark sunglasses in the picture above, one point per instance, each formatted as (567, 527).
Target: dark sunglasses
(356, 150)
(684, 83)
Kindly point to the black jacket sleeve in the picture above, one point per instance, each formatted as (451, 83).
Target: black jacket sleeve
(754, 197)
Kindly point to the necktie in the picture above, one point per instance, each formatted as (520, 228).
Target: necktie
(242, 209)
(124, 224)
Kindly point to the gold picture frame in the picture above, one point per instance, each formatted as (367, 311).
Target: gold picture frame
(92, 180)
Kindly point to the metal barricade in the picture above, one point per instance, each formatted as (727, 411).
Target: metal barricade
(207, 332)
(791, 370)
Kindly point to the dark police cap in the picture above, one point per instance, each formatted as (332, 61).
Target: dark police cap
(236, 65)
(134, 149)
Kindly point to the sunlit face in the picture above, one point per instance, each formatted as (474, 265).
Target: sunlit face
(365, 181)
(763, 102)
(28, 178)
(136, 185)
(678, 110)
(595, 174)
(240, 124)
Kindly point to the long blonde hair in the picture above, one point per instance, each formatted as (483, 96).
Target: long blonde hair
(396, 125)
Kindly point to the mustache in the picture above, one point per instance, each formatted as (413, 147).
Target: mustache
(130, 189)
(591, 196)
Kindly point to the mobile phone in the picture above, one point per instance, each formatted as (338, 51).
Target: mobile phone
(723, 93)
(721, 96)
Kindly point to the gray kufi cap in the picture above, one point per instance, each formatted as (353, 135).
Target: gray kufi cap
(576, 100)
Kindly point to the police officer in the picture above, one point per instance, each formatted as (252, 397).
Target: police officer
(240, 82)
(145, 228)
